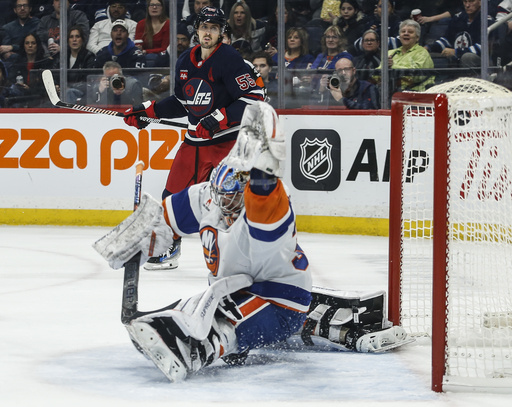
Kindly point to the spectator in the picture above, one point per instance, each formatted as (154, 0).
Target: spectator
(182, 39)
(115, 89)
(259, 9)
(296, 53)
(79, 58)
(152, 33)
(41, 8)
(245, 27)
(16, 30)
(344, 89)
(461, 45)
(8, 15)
(270, 37)
(333, 48)
(370, 59)
(182, 44)
(121, 49)
(434, 11)
(30, 57)
(5, 90)
(101, 31)
(263, 64)
(504, 53)
(351, 23)
(49, 29)
(373, 23)
(504, 9)
(411, 55)
(135, 10)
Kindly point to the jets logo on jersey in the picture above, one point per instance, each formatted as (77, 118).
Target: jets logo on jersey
(184, 74)
(463, 40)
(199, 96)
(210, 249)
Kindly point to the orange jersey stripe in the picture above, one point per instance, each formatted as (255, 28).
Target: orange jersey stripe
(266, 209)
(166, 217)
(252, 305)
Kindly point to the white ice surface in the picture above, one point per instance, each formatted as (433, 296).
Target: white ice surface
(63, 344)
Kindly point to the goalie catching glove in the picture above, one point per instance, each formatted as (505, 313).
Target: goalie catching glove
(212, 124)
(145, 231)
(133, 116)
(260, 143)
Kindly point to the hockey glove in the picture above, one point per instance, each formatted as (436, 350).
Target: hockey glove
(132, 116)
(260, 143)
(212, 123)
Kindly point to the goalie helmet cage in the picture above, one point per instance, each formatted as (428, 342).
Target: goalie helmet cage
(450, 230)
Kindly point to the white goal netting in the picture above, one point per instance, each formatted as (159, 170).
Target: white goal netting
(479, 228)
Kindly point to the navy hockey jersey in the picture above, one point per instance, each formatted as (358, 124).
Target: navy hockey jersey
(223, 80)
(462, 35)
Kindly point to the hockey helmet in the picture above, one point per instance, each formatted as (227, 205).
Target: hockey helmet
(227, 186)
(213, 15)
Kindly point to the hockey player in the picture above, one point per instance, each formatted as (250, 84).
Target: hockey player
(213, 87)
(260, 284)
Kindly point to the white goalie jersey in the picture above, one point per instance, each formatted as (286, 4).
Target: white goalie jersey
(262, 242)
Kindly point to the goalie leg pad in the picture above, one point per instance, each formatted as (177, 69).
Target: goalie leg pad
(167, 359)
(177, 355)
(338, 316)
(145, 230)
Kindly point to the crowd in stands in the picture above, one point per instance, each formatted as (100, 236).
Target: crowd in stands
(322, 38)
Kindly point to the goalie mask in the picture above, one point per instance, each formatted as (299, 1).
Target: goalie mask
(227, 191)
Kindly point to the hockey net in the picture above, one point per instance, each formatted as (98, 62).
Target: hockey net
(450, 245)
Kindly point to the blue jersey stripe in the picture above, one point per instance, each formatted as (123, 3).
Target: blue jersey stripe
(270, 235)
(187, 221)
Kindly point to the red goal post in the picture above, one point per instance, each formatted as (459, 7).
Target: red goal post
(450, 230)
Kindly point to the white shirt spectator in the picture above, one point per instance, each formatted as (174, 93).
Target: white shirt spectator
(100, 33)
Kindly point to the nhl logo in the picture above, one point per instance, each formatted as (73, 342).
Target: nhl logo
(315, 160)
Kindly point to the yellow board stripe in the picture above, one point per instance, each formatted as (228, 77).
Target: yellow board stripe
(87, 217)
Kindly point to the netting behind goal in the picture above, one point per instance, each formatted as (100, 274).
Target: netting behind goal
(451, 229)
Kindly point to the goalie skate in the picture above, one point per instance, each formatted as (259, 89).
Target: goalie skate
(155, 348)
(382, 341)
(167, 260)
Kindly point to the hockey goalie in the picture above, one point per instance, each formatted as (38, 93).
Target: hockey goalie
(260, 289)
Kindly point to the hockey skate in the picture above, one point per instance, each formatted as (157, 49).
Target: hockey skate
(167, 260)
(382, 341)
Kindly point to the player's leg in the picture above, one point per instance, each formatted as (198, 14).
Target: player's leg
(258, 323)
(182, 174)
(214, 154)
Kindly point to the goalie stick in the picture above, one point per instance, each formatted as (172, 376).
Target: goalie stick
(131, 267)
(49, 85)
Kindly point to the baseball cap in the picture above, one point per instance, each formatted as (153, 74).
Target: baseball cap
(121, 23)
